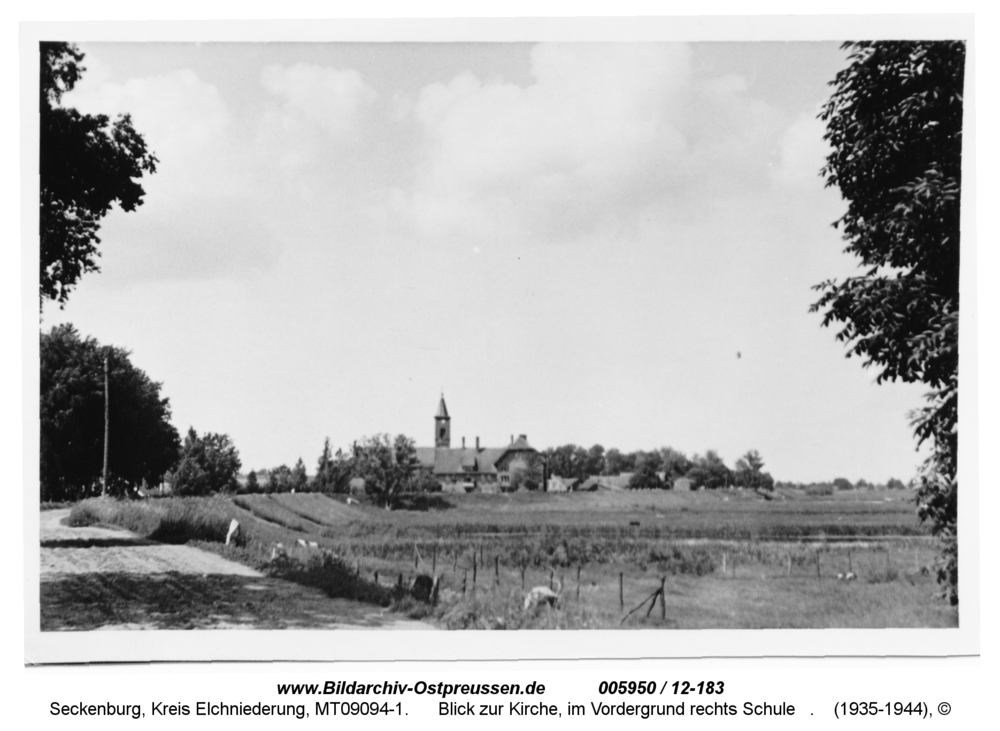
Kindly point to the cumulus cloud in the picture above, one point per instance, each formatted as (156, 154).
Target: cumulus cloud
(201, 214)
(182, 118)
(604, 131)
(319, 109)
(803, 153)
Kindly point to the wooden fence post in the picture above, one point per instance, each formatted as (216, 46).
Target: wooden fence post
(578, 582)
(621, 590)
(416, 557)
(663, 597)
(465, 578)
(376, 578)
(434, 560)
(496, 569)
(789, 564)
(734, 565)
(817, 564)
(723, 563)
(524, 567)
(474, 568)
(552, 575)
(850, 567)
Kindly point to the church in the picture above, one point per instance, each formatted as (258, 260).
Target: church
(481, 469)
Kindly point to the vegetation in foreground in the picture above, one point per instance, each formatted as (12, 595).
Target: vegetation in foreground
(603, 564)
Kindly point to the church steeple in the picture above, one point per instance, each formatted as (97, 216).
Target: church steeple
(442, 426)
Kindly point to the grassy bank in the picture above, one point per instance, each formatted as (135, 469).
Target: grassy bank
(728, 559)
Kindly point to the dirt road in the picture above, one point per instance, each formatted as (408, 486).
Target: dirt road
(101, 578)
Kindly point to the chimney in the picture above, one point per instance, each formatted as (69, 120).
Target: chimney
(463, 442)
(511, 438)
(477, 444)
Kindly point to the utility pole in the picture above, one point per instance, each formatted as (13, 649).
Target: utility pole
(104, 486)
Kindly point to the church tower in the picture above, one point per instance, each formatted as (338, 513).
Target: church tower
(442, 426)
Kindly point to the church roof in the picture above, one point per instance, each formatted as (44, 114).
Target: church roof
(442, 410)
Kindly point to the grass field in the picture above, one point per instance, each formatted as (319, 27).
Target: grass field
(727, 559)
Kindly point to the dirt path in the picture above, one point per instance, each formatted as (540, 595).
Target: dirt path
(101, 578)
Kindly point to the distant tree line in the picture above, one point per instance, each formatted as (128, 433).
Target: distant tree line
(841, 483)
(658, 469)
(385, 466)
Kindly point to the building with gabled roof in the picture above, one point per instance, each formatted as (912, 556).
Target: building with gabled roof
(476, 468)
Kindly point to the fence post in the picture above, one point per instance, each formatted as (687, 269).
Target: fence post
(621, 590)
(817, 564)
(376, 578)
(416, 557)
(723, 563)
(496, 568)
(734, 565)
(400, 582)
(524, 566)
(434, 560)
(465, 578)
(663, 597)
(578, 582)
(850, 567)
(789, 564)
(474, 568)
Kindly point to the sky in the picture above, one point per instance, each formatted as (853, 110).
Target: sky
(584, 243)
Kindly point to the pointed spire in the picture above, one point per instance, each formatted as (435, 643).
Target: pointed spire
(442, 412)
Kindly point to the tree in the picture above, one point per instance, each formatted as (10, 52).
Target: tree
(616, 463)
(207, 464)
(894, 122)
(279, 479)
(709, 471)
(595, 461)
(142, 443)
(386, 465)
(299, 478)
(675, 464)
(86, 164)
(895, 484)
(645, 476)
(526, 473)
(252, 485)
(750, 472)
(333, 471)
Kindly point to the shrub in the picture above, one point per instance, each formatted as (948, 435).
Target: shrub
(824, 488)
(677, 560)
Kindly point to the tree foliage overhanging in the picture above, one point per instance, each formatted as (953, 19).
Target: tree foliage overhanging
(87, 163)
(894, 122)
(142, 443)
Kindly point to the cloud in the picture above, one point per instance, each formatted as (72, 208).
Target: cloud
(604, 132)
(201, 217)
(803, 153)
(188, 239)
(326, 97)
(182, 118)
(320, 108)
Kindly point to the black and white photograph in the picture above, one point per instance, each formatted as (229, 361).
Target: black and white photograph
(433, 335)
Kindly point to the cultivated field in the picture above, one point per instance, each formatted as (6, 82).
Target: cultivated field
(725, 559)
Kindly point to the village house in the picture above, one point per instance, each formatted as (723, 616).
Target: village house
(478, 468)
